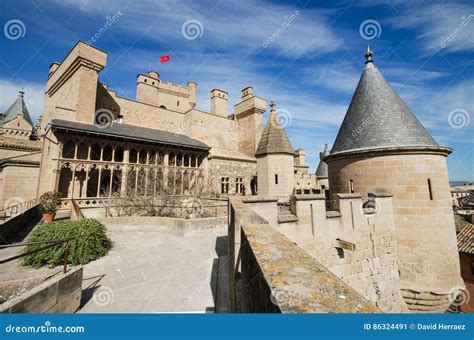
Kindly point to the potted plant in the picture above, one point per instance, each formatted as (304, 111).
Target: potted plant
(49, 203)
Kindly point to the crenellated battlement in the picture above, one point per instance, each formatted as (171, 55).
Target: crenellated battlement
(152, 90)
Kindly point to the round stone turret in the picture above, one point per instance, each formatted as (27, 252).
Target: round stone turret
(381, 147)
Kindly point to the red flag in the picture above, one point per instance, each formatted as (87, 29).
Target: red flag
(164, 58)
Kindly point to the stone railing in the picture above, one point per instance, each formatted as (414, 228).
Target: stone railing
(269, 273)
(183, 206)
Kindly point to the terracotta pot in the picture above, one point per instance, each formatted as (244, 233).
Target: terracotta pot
(48, 217)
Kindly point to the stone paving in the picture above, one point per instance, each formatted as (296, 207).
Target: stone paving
(153, 272)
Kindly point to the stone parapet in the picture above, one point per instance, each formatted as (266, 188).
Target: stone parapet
(263, 247)
(239, 215)
(172, 225)
(59, 294)
(308, 197)
(280, 277)
(357, 244)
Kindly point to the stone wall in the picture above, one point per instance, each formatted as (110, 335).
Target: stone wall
(263, 206)
(280, 277)
(371, 267)
(219, 168)
(18, 182)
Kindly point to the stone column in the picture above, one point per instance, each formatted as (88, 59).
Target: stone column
(165, 169)
(205, 175)
(123, 184)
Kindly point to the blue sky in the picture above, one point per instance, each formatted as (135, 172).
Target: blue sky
(310, 67)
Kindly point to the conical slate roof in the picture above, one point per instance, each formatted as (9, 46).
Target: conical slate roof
(274, 138)
(17, 108)
(377, 117)
(322, 170)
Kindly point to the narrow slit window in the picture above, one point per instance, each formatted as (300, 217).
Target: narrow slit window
(351, 186)
(276, 178)
(430, 190)
(177, 103)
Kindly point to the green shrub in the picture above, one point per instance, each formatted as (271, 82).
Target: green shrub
(49, 202)
(90, 243)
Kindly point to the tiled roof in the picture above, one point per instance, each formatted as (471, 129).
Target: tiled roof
(378, 118)
(274, 138)
(17, 108)
(230, 154)
(131, 132)
(24, 144)
(459, 222)
(466, 239)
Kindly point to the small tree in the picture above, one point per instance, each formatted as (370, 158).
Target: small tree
(50, 202)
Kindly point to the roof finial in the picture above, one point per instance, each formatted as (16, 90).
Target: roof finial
(368, 55)
(21, 92)
(272, 106)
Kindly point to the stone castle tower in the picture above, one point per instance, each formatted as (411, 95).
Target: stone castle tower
(381, 148)
(275, 159)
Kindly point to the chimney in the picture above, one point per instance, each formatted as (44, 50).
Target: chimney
(300, 155)
(219, 102)
(247, 93)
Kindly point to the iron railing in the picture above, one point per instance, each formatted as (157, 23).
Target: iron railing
(50, 243)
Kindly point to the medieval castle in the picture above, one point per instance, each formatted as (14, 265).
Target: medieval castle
(377, 212)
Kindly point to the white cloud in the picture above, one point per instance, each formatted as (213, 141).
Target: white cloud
(442, 27)
(227, 26)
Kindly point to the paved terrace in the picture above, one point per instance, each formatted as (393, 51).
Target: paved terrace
(154, 272)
